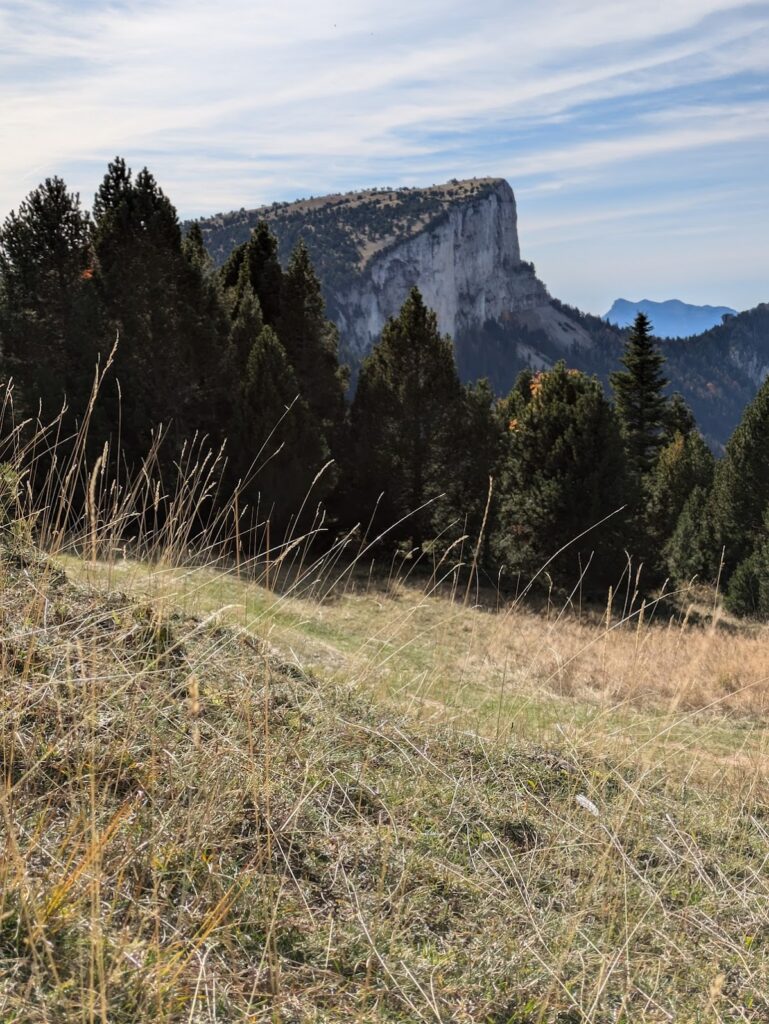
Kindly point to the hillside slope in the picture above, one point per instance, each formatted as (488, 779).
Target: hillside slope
(196, 829)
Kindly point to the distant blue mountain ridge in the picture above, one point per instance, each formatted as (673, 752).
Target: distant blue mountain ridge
(671, 319)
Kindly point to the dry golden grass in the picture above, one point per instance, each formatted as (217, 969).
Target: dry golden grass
(334, 799)
(660, 689)
(197, 829)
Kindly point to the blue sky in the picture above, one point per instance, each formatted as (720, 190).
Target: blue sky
(635, 133)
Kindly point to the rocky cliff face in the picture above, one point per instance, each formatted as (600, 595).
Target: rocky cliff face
(458, 243)
(467, 264)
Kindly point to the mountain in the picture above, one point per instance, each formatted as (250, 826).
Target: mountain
(670, 319)
(459, 243)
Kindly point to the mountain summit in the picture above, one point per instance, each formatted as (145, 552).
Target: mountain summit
(457, 241)
(670, 319)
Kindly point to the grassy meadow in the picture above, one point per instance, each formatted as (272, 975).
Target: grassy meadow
(615, 679)
(328, 790)
(367, 797)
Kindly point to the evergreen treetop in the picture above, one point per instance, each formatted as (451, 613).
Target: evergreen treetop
(279, 448)
(562, 472)
(741, 486)
(47, 309)
(404, 419)
(639, 396)
(311, 343)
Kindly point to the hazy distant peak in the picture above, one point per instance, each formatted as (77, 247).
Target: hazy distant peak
(671, 318)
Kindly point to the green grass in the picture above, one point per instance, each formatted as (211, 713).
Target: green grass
(197, 826)
(490, 672)
(359, 798)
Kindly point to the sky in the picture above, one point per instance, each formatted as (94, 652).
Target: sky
(635, 133)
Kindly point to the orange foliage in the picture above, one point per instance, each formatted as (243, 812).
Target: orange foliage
(536, 382)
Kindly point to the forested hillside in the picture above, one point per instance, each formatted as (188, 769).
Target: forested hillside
(348, 237)
(571, 479)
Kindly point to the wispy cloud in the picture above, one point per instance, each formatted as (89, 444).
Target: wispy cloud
(245, 101)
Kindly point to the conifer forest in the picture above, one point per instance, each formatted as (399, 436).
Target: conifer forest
(559, 483)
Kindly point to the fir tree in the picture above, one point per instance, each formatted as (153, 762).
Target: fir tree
(194, 248)
(477, 440)
(677, 418)
(259, 255)
(404, 422)
(689, 552)
(748, 590)
(639, 398)
(684, 464)
(247, 322)
(279, 446)
(562, 472)
(172, 331)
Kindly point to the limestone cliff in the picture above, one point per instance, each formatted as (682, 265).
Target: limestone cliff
(467, 265)
(457, 242)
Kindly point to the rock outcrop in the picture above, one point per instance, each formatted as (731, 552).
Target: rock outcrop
(467, 264)
(458, 243)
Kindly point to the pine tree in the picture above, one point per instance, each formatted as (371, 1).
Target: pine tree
(689, 552)
(259, 255)
(684, 464)
(311, 343)
(167, 313)
(247, 322)
(404, 422)
(639, 398)
(741, 487)
(476, 446)
(194, 248)
(748, 591)
(677, 418)
(48, 311)
(562, 472)
(279, 447)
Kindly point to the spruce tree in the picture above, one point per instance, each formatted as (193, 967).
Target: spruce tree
(404, 422)
(168, 315)
(684, 464)
(677, 418)
(259, 256)
(194, 248)
(748, 590)
(639, 398)
(689, 551)
(562, 471)
(477, 440)
(279, 447)
(247, 322)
